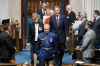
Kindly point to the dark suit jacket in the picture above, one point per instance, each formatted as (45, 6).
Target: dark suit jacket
(81, 31)
(70, 18)
(96, 27)
(61, 32)
(40, 13)
(54, 24)
(31, 30)
(7, 50)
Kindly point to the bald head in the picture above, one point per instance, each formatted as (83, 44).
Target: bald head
(46, 27)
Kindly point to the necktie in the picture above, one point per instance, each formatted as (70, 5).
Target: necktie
(58, 23)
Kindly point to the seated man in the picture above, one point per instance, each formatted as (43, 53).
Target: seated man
(48, 44)
(87, 47)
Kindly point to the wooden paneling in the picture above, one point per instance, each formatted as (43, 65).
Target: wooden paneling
(34, 5)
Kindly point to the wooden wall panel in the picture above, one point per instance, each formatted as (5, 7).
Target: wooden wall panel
(34, 5)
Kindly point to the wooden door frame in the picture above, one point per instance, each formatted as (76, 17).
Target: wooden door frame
(23, 22)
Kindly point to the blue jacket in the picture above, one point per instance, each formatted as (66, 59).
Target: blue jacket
(48, 40)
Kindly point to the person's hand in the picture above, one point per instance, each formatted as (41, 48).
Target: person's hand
(12, 61)
(77, 49)
(37, 19)
(67, 38)
(40, 28)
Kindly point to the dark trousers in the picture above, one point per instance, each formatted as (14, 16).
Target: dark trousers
(34, 49)
(58, 58)
(61, 48)
(32, 52)
(46, 56)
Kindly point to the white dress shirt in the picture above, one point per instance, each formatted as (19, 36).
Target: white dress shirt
(44, 12)
(36, 31)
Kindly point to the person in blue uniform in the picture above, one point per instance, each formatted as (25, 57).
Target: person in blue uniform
(48, 46)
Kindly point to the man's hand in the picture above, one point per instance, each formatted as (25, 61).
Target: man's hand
(77, 49)
(12, 61)
(37, 19)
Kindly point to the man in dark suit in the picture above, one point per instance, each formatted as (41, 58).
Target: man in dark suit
(34, 27)
(43, 9)
(7, 50)
(96, 26)
(58, 26)
(81, 31)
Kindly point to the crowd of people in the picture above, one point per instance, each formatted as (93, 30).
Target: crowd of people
(9, 36)
(49, 34)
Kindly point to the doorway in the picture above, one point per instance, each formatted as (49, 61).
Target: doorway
(29, 6)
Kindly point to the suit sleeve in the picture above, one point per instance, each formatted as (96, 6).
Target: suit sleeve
(65, 24)
(29, 29)
(97, 25)
(85, 43)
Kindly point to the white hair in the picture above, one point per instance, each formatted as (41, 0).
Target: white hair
(68, 6)
(51, 12)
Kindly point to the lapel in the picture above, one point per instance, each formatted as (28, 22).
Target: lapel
(55, 23)
(33, 24)
(60, 19)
